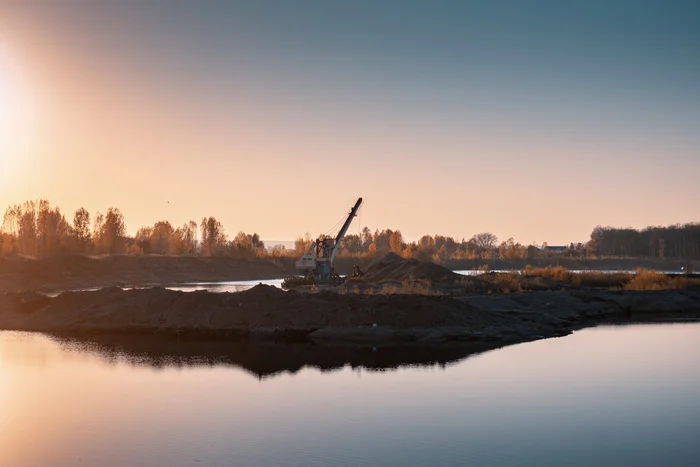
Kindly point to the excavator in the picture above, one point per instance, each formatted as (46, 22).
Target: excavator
(317, 262)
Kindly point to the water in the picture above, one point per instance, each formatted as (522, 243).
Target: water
(232, 286)
(613, 396)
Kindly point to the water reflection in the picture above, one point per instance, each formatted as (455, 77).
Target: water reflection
(609, 396)
(266, 359)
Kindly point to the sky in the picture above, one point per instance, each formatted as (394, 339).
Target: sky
(535, 120)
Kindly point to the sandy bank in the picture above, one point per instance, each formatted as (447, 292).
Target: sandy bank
(265, 312)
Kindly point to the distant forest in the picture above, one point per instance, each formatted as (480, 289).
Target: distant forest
(36, 229)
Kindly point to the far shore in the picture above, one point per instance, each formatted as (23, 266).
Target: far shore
(72, 272)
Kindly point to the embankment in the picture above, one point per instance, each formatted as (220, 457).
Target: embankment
(65, 272)
(266, 312)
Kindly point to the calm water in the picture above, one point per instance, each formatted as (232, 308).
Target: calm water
(615, 396)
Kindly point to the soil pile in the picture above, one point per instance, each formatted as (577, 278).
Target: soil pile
(262, 307)
(62, 272)
(394, 268)
(268, 312)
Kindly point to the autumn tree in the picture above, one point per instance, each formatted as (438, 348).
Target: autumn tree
(278, 251)
(113, 235)
(411, 251)
(184, 239)
(97, 227)
(10, 229)
(52, 229)
(302, 244)
(142, 240)
(161, 237)
(242, 246)
(26, 234)
(372, 250)
(366, 238)
(351, 245)
(396, 242)
(505, 249)
(213, 237)
(81, 229)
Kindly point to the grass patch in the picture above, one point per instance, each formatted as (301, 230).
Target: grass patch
(532, 279)
(652, 280)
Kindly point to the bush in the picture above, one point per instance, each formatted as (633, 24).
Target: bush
(645, 279)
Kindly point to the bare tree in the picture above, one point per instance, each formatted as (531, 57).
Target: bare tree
(485, 241)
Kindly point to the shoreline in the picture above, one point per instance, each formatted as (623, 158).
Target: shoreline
(265, 313)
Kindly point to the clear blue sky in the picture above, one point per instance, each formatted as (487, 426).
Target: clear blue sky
(531, 119)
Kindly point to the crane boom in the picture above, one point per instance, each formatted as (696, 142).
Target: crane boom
(317, 261)
(344, 229)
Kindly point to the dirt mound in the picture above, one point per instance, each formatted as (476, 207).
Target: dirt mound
(393, 268)
(264, 312)
(262, 291)
(387, 258)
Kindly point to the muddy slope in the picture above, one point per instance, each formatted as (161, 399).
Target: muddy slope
(266, 312)
(78, 271)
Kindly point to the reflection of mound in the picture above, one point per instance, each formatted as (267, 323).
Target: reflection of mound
(393, 267)
(269, 359)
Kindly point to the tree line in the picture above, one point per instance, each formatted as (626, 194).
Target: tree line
(35, 228)
(675, 241)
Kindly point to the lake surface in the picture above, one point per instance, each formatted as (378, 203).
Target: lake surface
(609, 396)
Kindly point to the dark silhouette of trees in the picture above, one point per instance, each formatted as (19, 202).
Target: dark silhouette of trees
(675, 241)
